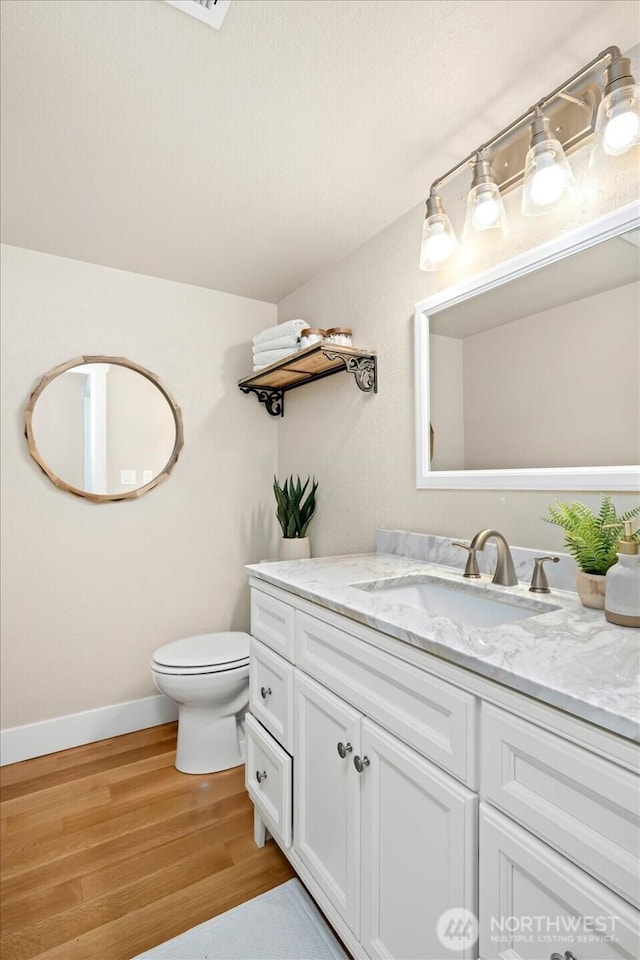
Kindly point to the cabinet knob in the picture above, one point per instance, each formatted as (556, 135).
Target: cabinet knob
(261, 776)
(344, 749)
(360, 763)
(558, 956)
(265, 692)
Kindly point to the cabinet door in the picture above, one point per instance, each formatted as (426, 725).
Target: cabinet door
(326, 794)
(419, 851)
(534, 903)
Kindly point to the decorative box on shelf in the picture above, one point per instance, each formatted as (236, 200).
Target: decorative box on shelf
(317, 361)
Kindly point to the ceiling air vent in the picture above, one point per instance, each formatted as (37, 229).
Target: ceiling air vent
(209, 11)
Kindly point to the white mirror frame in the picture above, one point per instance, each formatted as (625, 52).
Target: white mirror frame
(547, 478)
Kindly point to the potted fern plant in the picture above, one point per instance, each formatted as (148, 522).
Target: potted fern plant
(591, 539)
(294, 513)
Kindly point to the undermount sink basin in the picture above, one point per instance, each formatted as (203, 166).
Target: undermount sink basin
(470, 606)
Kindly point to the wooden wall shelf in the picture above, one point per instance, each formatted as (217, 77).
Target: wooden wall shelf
(320, 360)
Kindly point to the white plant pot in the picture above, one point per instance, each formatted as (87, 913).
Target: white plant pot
(294, 548)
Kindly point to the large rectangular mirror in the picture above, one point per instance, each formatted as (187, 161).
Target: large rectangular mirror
(532, 379)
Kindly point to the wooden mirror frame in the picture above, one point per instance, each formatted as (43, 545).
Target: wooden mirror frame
(103, 497)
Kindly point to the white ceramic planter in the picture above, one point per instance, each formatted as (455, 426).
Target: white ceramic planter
(294, 548)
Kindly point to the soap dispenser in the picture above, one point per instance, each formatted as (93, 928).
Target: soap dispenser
(622, 600)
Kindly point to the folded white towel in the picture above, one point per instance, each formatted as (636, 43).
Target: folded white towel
(287, 329)
(282, 343)
(267, 357)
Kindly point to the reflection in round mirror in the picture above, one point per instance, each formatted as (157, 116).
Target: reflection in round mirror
(103, 428)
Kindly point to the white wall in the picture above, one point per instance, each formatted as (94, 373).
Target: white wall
(90, 590)
(361, 447)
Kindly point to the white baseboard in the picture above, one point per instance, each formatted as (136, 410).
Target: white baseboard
(60, 733)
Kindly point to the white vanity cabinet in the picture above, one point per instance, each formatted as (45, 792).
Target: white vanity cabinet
(418, 849)
(417, 787)
(534, 903)
(583, 805)
(327, 794)
(387, 835)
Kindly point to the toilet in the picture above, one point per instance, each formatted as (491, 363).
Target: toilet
(208, 677)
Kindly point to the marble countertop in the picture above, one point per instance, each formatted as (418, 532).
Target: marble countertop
(569, 657)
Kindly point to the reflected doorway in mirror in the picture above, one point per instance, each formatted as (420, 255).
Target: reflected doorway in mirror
(96, 424)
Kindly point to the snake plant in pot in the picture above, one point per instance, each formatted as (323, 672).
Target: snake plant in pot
(295, 512)
(592, 541)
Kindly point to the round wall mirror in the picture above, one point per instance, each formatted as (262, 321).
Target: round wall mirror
(103, 428)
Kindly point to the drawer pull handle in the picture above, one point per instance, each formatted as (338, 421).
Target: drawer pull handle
(344, 749)
(558, 956)
(265, 692)
(261, 776)
(360, 763)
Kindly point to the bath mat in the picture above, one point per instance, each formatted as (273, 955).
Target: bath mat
(282, 924)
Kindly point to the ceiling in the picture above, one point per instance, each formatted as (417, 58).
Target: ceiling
(248, 159)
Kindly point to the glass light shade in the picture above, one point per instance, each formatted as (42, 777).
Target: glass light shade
(485, 210)
(618, 121)
(547, 177)
(439, 242)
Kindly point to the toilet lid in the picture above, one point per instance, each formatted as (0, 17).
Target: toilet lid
(205, 650)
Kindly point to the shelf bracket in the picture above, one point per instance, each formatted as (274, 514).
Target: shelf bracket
(272, 397)
(364, 369)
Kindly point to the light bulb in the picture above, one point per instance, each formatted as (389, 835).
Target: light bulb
(548, 182)
(617, 127)
(621, 130)
(485, 209)
(439, 245)
(547, 176)
(438, 238)
(486, 212)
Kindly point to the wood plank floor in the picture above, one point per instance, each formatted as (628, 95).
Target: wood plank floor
(107, 850)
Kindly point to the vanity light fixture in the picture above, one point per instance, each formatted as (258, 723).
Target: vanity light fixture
(439, 241)
(485, 209)
(618, 122)
(534, 149)
(547, 172)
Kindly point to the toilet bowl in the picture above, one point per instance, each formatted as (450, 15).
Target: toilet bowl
(208, 678)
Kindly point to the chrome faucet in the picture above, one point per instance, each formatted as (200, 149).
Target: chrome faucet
(505, 573)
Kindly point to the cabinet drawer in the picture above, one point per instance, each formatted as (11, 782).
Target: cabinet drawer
(583, 805)
(272, 621)
(433, 716)
(271, 686)
(534, 903)
(271, 794)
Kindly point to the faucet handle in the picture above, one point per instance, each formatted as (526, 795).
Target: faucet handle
(539, 582)
(471, 569)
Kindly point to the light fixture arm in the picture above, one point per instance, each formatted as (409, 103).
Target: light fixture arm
(612, 53)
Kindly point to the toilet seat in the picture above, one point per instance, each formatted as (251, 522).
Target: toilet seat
(204, 653)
